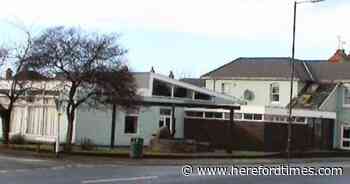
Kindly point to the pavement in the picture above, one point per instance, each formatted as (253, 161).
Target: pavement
(26, 168)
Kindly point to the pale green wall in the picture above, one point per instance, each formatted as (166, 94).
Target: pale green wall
(96, 125)
(260, 88)
(343, 116)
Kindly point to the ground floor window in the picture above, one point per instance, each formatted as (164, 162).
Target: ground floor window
(345, 137)
(131, 122)
(40, 120)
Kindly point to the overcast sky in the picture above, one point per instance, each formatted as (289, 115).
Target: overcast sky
(191, 37)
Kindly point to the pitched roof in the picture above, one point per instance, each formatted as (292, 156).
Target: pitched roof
(261, 67)
(194, 81)
(329, 72)
(29, 75)
(313, 95)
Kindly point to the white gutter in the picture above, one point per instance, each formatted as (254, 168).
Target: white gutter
(195, 88)
(308, 71)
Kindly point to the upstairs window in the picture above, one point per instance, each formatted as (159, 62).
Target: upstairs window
(161, 88)
(346, 100)
(225, 88)
(275, 93)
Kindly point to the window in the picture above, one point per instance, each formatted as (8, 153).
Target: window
(237, 115)
(346, 97)
(226, 88)
(274, 93)
(300, 119)
(201, 96)
(194, 114)
(268, 117)
(345, 139)
(255, 117)
(161, 88)
(281, 118)
(165, 118)
(248, 116)
(181, 92)
(346, 132)
(131, 124)
(214, 115)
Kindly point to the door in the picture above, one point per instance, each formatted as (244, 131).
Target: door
(165, 118)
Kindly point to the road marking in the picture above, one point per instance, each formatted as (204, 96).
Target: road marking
(119, 179)
(4, 171)
(21, 159)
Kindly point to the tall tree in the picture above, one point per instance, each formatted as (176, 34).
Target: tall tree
(89, 65)
(16, 83)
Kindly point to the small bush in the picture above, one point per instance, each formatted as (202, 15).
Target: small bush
(17, 139)
(87, 144)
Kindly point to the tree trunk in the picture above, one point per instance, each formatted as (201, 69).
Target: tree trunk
(69, 138)
(5, 126)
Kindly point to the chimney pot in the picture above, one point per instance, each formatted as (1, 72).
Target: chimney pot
(171, 75)
(8, 74)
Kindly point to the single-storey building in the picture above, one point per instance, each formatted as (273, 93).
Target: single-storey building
(163, 103)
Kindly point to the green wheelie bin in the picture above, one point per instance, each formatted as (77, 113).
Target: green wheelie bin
(136, 147)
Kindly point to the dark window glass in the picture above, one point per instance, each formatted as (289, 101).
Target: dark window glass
(201, 96)
(248, 116)
(257, 117)
(161, 88)
(194, 114)
(182, 92)
(346, 132)
(218, 115)
(130, 124)
(209, 114)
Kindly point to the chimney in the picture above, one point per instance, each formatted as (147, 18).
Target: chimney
(339, 57)
(171, 75)
(8, 74)
(152, 70)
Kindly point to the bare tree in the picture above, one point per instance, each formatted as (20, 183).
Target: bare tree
(16, 83)
(89, 65)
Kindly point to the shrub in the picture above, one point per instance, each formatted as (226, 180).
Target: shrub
(17, 139)
(87, 144)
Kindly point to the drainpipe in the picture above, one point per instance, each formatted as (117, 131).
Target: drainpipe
(173, 120)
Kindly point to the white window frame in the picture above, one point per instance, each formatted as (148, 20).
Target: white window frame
(273, 85)
(253, 116)
(346, 88)
(224, 86)
(342, 139)
(163, 117)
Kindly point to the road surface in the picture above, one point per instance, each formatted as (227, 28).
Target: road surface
(17, 170)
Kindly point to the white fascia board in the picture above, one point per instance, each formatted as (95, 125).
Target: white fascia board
(276, 111)
(183, 101)
(193, 87)
(301, 112)
(329, 96)
(251, 78)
